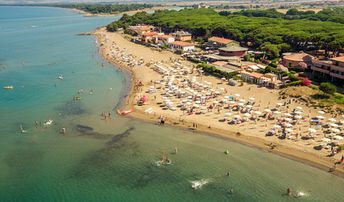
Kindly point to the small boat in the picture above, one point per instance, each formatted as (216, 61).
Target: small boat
(124, 112)
(60, 77)
(49, 122)
(77, 98)
(227, 151)
(8, 87)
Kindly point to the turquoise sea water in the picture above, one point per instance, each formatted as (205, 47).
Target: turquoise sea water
(113, 160)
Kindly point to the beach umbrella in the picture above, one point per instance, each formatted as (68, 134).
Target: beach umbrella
(320, 117)
(252, 98)
(335, 130)
(232, 102)
(337, 137)
(223, 79)
(241, 104)
(277, 126)
(228, 114)
(279, 104)
(332, 119)
(287, 115)
(196, 105)
(298, 112)
(216, 102)
(237, 95)
(288, 119)
(299, 108)
(267, 110)
(258, 112)
(242, 100)
(298, 117)
(247, 115)
(276, 112)
(249, 106)
(288, 125)
(237, 116)
(312, 130)
(333, 125)
(326, 139)
(198, 102)
(321, 112)
(289, 130)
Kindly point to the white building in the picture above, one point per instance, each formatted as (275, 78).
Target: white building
(182, 46)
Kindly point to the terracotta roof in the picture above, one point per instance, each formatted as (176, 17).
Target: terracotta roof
(219, 63)
(182, 33)
(181, 43)
(163, 36)
(220, 40)
(150, 34)
(253, 74)
(338, 59)
(298, 57)
(233, 48)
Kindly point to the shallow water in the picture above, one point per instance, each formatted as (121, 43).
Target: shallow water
(112, 160)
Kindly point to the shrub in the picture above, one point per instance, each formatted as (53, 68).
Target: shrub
(328, 88)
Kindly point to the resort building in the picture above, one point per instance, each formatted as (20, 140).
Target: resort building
(267, 80)
(233, 51)
(332, 69)
(163, 39)
(182, 36)
(140, 29)
(218, 42)
(297, 60)
(148, 37)
(182, 46)
(226, 66)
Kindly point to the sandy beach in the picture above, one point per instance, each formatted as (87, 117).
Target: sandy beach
(148, 10)
(114, 45)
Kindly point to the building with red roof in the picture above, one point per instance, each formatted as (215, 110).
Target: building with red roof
(296, 60)
(217, 42)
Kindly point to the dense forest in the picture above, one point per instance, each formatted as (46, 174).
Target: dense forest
(105, 8)
(327, 14)
(273, 35)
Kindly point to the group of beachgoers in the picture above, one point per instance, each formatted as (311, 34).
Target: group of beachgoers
(181, 89)
(122, 57)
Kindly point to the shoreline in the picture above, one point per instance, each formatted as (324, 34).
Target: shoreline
(132, 12)
(308, 158)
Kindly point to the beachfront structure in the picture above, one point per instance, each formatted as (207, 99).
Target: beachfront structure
(218, 42)
(140, 29)
(296, 60)
(148, 37)
(268, 80)
(332, 69)
(164, 39)
(182, 36)
(233, 51)
(228, 67)
(182, 46)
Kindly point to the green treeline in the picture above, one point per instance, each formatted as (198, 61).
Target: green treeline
(327, 14)
(273, 35)
(105, 8)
